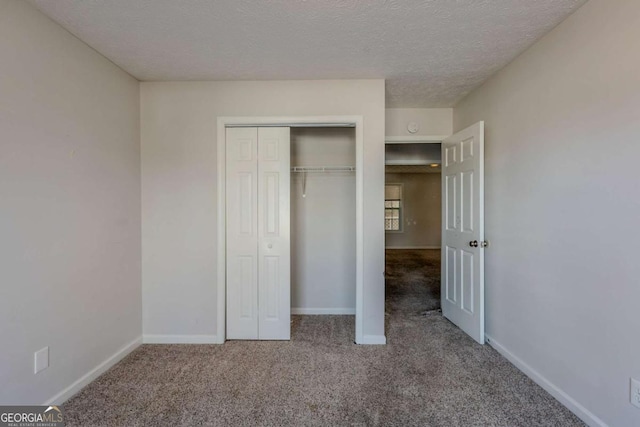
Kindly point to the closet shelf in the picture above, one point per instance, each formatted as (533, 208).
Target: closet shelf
(323, 169)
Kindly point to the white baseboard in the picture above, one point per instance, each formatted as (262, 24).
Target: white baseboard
(180, 339)
(373, 340)
(325, 311)
(413, 247)
(580, 411)
(83, 381)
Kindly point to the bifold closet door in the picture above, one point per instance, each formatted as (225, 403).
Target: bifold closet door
(258, 240)
(242, 232)
(274, 242)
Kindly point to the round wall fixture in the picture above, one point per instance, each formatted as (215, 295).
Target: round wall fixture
(413, 127)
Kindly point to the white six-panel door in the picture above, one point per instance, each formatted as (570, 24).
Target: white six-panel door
(258, 241)
(242, 233)
(274, 176)
(462, 282)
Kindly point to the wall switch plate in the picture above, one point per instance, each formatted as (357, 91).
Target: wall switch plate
(41, 360)
(635, 393)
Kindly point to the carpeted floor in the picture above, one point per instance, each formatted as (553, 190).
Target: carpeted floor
(429, 374)
(413, 281)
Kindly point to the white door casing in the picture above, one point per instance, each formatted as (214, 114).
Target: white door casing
(274, 243)
(462, 273)
(257, 233)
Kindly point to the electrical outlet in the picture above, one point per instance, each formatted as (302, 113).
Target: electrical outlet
(635, 393)
(41, 360)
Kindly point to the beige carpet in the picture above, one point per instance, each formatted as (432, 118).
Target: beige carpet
(429, 374)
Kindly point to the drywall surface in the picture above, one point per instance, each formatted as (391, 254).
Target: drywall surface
(563, 203)
(69, 206)
(179, 188)
(323, 222)
(421, 211)
(431, 121)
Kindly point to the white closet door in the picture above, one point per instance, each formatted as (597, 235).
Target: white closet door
(274, 243)
(242, 233)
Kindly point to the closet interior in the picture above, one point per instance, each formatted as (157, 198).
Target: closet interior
(323, 220)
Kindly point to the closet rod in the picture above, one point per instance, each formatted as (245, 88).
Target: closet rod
(323, 169)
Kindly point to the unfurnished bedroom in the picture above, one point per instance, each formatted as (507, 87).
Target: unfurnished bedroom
(319, 213)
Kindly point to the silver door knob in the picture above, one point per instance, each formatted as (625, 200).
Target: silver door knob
(269, 246)
(473, 243)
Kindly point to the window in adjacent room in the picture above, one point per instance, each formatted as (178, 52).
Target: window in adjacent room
(393, 207)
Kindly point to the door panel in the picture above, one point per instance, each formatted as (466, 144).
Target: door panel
(246, 195)
(463, 222)
(450, 155)
(242, 233)
(271, 201)
(272, 278)
(451, 272)
(466, 202)
(274, 233)
(451, 202)
(246, 283)
(466, 280)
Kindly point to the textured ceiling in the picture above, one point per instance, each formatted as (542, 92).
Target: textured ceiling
(431, 52)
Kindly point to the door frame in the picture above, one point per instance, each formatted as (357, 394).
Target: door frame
(291, 121)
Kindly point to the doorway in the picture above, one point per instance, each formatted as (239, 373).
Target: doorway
(413, 228)
(462, 237)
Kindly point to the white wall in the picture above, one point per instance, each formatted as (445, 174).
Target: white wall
(179, 189)
(432, 121)
(323, 224)
(563, 206)
(421, 215)
(69, 206)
